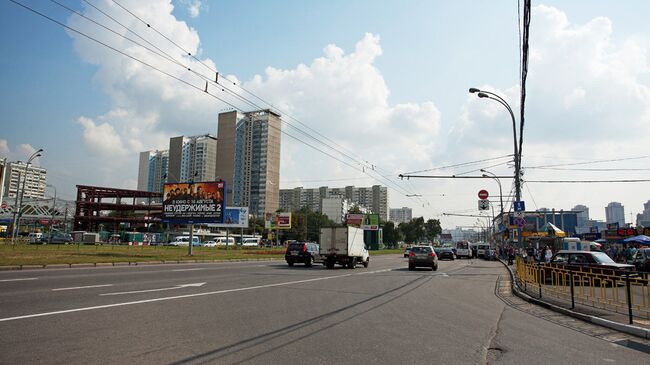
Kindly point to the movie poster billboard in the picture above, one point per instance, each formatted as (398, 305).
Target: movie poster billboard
(277, 220)
(199, 202)
(233, 217)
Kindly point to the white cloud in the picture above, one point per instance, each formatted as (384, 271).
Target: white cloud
(345, 97)
(21, 153)
(193, 7)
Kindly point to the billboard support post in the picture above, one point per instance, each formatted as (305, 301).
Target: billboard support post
(189, 249)
(227, 238)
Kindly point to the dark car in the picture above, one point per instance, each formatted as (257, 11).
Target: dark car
(446, 253)
(490, 254)
(577, 260)
(56, 237)
(302, 252)
(423, 256)
(641, 259)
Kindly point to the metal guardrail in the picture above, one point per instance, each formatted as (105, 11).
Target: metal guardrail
(625, 293)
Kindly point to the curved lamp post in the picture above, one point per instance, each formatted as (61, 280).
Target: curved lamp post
(22, 193)
(493, 176)
(500, 100)
(49, 237)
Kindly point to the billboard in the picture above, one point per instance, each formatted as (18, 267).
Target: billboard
(199, 202)
(233, 217)
(277, 220)
(363, 221)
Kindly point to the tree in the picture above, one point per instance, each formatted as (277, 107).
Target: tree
(432, 229)
(413, 231)
(391, 235)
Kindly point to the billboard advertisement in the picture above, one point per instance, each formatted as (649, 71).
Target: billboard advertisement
(370, 222)
(277, 220)
(199, 202)
(233, 217)
(363, 221)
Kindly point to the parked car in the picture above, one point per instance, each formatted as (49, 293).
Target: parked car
(302, 252)
(423, 256)
(641, 259)
(209, 244)
(251, 242)
(185, 240)
(490, 254)
(576, 260)
(446, 253)
(56, 237)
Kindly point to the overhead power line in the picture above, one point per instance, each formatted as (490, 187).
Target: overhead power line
(395, 186)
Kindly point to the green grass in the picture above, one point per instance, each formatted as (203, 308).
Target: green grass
(24, 254)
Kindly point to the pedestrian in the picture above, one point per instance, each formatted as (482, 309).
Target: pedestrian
(511, 255)
(548, 254)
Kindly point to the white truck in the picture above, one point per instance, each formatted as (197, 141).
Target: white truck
(343, 246)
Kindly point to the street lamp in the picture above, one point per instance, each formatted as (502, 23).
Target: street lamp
(22, 193)
(500, 100)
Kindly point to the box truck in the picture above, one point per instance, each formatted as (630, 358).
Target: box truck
(344, 246)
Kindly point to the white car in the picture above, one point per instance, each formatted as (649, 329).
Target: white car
(209, 244)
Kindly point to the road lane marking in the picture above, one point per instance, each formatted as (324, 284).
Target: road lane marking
(193, 269)
(82, 287)
(23, 279)
(153, 290)
(182, 296)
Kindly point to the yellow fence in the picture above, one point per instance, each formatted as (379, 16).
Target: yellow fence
(592, 287)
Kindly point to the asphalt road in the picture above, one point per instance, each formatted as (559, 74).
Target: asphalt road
(267, 313)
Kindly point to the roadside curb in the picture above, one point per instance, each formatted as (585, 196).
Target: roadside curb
(125, 263)
(625, 328)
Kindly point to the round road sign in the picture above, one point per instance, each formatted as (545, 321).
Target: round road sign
(4, 205)
(483, 194)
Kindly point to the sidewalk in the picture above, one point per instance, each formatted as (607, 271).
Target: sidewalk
(609, 319)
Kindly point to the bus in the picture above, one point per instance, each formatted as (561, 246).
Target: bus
(463, 249)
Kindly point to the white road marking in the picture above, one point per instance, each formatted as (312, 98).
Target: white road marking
(152, 290)
(181, 296)
(193, 269)
(83, 287)
(23, 279)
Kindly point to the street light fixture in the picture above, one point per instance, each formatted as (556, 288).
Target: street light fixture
(22, 193)
(493, 176)
(500, 100)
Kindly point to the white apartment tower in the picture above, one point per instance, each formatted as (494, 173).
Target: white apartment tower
(615, 213)
(33, 178)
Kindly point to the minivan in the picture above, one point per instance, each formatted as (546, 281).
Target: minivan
(184, 241)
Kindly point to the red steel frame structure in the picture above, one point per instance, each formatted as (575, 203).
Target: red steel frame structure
(93, 202)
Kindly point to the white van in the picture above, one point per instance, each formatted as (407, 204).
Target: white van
(463, 249)
(185, 240)
(251, 242)
(221, 241)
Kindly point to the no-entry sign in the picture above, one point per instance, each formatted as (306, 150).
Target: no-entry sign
(483, 194)
(4, 205)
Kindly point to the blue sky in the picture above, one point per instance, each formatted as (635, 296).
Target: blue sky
(392, 87)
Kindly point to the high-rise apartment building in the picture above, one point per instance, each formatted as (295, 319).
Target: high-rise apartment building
(401, 215)
(615, 213)
(34, 179)
(583, 214)
(187, 159)
(192, 158)
(249, 159)
(374, 198)
(152, 172)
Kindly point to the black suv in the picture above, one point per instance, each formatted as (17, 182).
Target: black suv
(304, 252)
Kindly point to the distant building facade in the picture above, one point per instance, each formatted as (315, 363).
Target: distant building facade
(643, 219)
(335, 208)
(615, 213)
(582, 212)
(375, 198)
(152, 172)
(400, 215)
(17, 173)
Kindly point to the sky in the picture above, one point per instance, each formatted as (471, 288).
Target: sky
(368, 90)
